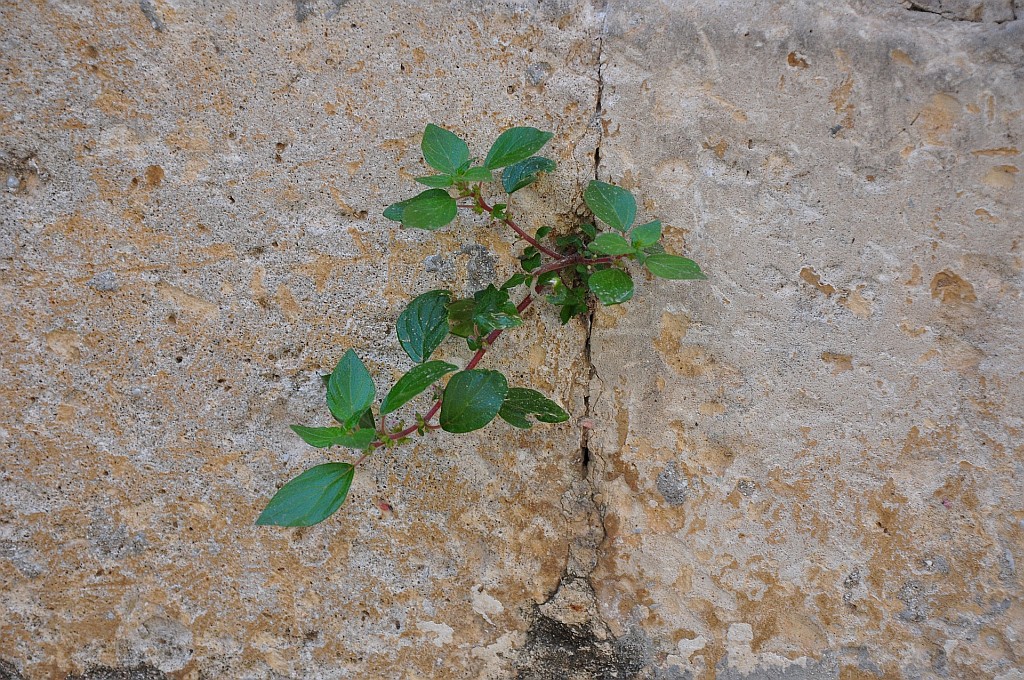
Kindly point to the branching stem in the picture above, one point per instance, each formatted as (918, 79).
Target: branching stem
(482, 204)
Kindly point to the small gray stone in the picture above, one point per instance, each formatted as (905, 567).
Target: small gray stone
(104, 281)
(673, 485)
(537, 74)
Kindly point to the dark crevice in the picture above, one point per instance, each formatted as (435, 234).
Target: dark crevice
(975, 17)
(569, 638)
(598, 113)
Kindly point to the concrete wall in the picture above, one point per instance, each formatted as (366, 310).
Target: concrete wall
(809, 466)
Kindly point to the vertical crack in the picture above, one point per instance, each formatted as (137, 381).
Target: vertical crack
(569, 637)
(588, 363)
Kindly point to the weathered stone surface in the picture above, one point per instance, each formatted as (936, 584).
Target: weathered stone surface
(843, 398)
(808, 466)
(192, 233)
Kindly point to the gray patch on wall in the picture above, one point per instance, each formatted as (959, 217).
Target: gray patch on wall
(149, 10)
(673, 485)
(825, 669)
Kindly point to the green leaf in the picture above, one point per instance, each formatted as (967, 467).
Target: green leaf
(573, 301)
(395, 210)
(472, 399)
(613, 205)
(514, 145)
(423, 325)
(562, 294)
(547, 279)
(443, 150)
(589, 229)
(646, 235)
(413, 383)
(436, 181)
(542, 232)
(460, 317)
(366, 421)
(521, 402)
(477, 175)
(525, 172)
(493, 310)
(530, 259)
(611, 286)
(516, 280)
(429, 210)
(350, 391)
(611, 244)
(323, 437)
(309, 498)
(673, 267)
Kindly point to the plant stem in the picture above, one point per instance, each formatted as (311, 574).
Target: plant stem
(482, 204)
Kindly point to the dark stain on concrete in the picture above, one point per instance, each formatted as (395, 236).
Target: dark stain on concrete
(558, 651)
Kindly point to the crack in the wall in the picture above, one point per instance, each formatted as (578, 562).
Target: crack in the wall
(598, 111)
(979, 13)
(569, 638)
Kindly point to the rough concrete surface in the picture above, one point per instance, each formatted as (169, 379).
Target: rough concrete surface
(809, 466)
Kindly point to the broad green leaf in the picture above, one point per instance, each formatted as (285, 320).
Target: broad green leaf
(521, 402)
(673, 267)
(413, 383)
(613, 205)
(472, 399)
(429, 210)
(436, 181)
(460, 318)
(310, 498)
(423, 325)
(525, 172)
(350, 390)
(611, 244)
(611, 286)
(514, 145)
(323, 437)
(589, 229)
(443, 150)
(646, 235)
(477, 175)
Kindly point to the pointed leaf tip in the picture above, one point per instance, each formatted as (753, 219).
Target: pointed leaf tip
(310, 498)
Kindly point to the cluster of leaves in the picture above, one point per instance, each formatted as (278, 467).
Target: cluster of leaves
(565, 272)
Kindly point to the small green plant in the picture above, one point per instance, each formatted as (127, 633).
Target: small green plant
(564, 269)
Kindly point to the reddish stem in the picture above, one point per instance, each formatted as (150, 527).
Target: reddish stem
(515, 227)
